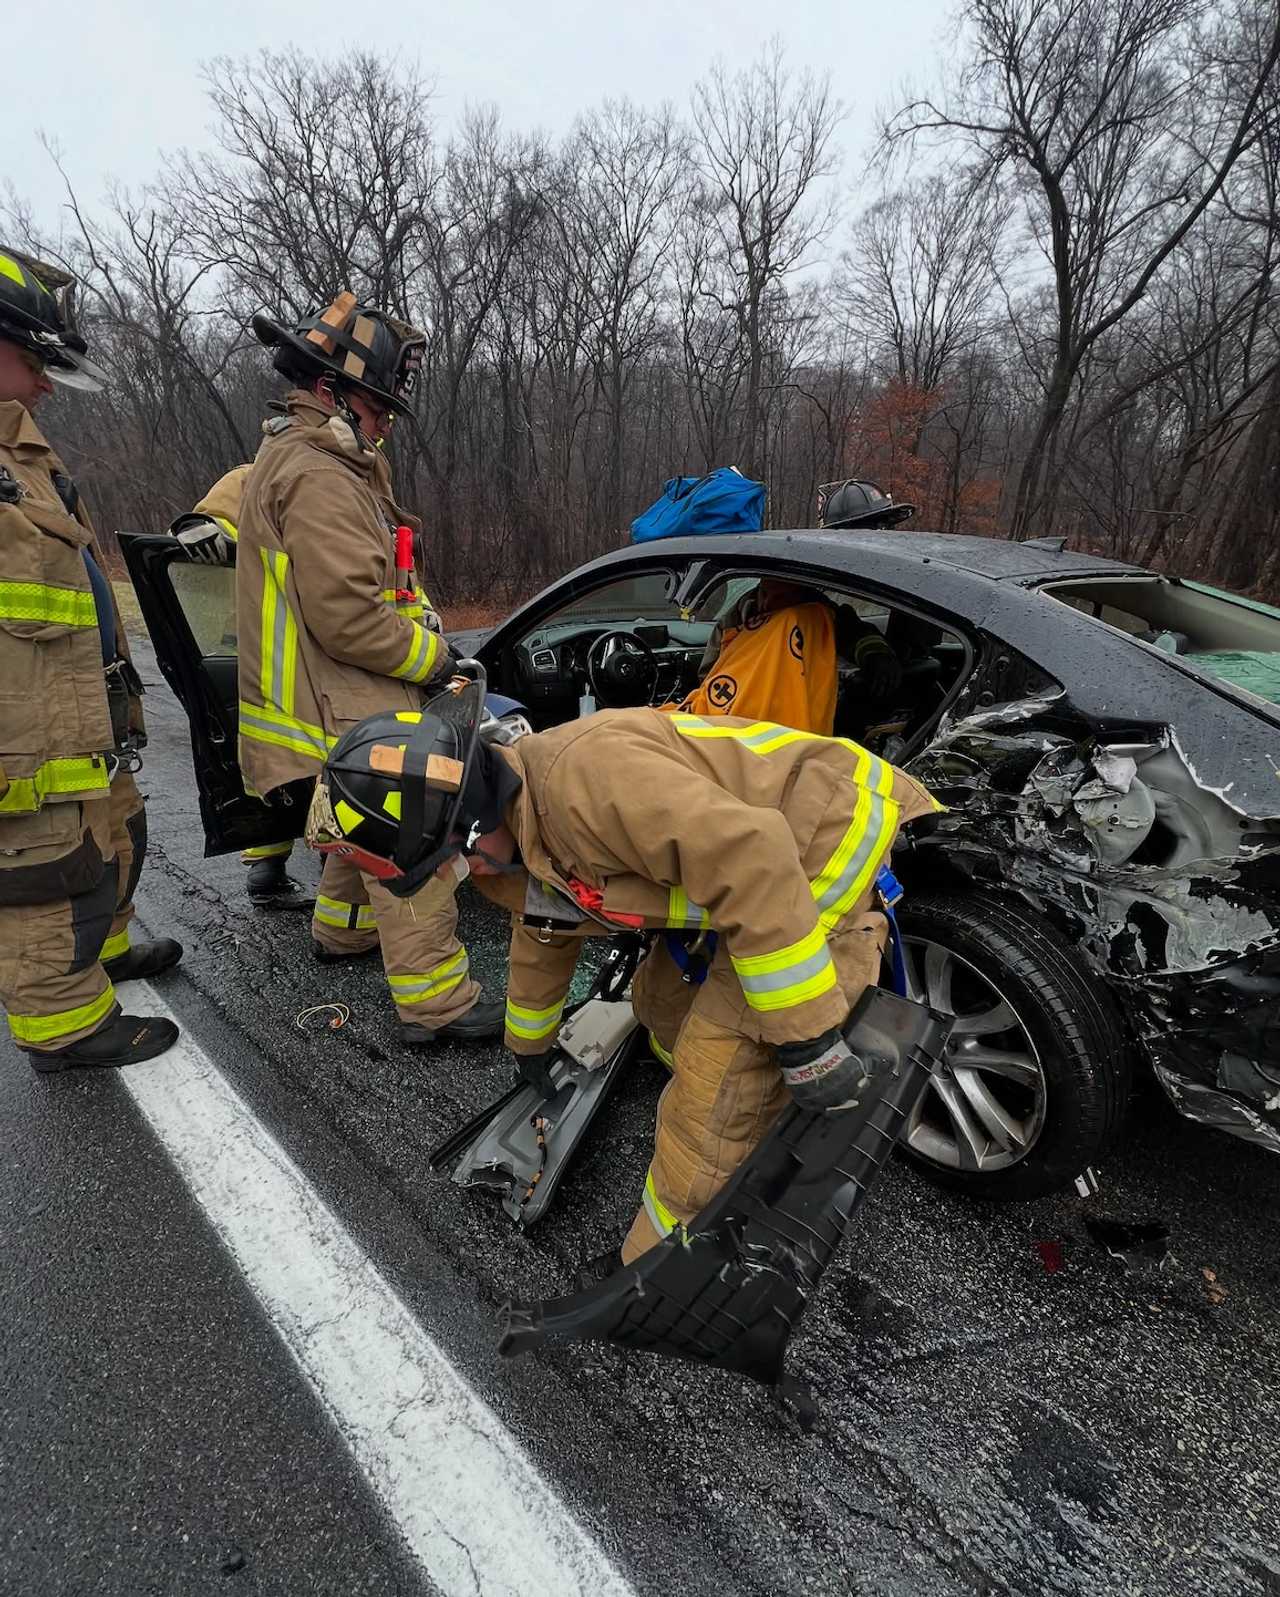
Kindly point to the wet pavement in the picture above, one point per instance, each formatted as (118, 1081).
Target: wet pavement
(988, 1425)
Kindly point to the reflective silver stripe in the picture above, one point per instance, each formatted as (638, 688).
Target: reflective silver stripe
(776, 981)
(258, 722)
(870, 842)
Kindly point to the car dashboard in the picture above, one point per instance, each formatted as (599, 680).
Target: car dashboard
(551, 662)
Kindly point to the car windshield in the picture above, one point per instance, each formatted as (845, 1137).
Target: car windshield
(646, 597)
(1233, 639)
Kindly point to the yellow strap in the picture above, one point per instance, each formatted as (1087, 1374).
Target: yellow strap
(660, 1053)
(49, 1028)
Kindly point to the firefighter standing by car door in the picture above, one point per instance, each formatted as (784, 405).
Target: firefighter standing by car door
(332, 629)
(72, 825)
(770, 839)
(209, 534)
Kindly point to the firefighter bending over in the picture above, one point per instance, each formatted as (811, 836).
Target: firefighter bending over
(767, 839)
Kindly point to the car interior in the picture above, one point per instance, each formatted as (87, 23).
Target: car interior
(1233, 639)
(630, 642)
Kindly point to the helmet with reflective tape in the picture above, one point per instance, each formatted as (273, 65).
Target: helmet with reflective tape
(857, 503)
(403, 792)
(36, 314)
(352, 343)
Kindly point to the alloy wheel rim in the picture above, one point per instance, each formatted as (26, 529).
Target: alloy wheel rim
(985, 1109)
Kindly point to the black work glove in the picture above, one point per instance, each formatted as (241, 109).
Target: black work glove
(822, 1074)
(534, 1070)
(880, 670)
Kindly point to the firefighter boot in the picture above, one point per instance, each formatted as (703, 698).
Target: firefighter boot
(142, 960)
(270, 886)
(482, 1021)
(126, 1040)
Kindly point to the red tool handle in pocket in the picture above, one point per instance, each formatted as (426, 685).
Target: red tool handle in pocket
(404, 563)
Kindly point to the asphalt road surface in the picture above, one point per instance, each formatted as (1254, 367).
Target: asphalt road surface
(987, 1426)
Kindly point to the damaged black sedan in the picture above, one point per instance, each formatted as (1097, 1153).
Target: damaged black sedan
(1104, 889)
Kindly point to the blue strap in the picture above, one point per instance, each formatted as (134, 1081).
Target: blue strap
(691, 969)
(890, 890)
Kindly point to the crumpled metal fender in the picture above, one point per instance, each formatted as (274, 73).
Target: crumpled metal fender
(729, 1288)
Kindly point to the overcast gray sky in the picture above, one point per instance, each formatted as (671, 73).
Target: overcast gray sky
(117, 82)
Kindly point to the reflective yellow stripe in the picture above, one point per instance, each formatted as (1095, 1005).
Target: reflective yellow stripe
(39, 601)
(10, 268)
(443, 979)
(680, 912)
(229, 527)
(764, 737)
(264, 724)
(418, 664)
(49, 1028)
(279, 644)
(391, 804)
(115, 946)
(348, 917)
(848, 873)
(788, 977)
(660, 1053)
(660, 1217)
(533, 1024)
(265, 851)
(412, 609)
(25, 794)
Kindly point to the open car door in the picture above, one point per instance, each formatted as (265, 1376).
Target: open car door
(190, 609)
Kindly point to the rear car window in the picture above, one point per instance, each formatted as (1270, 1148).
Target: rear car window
(1233, 639)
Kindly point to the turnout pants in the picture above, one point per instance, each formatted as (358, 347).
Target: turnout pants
(726, 1089)
(52, 983)
(425, 963)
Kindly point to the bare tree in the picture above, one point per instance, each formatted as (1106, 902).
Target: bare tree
(1117, 124)
(764, 141)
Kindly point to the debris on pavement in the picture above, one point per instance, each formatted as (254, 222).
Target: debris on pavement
(339, 1015)
(1136, 1242)
(1214, 1290)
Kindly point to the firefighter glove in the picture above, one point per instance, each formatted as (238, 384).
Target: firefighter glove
(534, 1070)
(822, 1074)
(207, 544)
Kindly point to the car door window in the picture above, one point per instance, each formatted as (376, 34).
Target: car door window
(557, 674)
(891, 712)
(207, 598)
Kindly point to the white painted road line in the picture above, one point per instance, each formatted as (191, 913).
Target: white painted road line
(468, 1501)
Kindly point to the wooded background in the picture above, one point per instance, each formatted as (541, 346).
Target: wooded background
(1045, 304)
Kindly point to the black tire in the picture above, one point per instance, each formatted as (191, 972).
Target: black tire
(1070, 1019)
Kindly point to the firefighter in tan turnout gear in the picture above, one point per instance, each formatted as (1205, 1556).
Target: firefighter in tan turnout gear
(768, 838)
(209, 534)
(333, 628)
(72, 826)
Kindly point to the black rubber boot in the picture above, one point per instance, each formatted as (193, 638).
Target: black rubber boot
(271, 887)
(144, 959)
(482, 1021)
(326, 956)
(126, 1040)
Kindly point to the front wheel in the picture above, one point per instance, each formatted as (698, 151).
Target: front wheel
(1037, 1074)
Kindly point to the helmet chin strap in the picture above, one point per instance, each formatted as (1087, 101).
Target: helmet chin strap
(337, 392)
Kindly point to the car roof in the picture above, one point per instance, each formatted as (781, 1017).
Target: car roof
(892, 555)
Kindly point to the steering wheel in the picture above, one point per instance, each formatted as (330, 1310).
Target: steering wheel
(622, 670)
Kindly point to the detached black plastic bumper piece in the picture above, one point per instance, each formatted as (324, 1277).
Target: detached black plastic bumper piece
(729, 1289)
